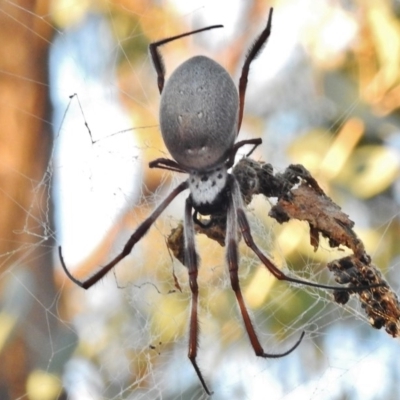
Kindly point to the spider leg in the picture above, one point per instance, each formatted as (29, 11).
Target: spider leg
(192, 262)
(251, 55)
(233, 263)
(278, 274)
(166, 163)
(135, 237)
(255, 142)
(157, 58)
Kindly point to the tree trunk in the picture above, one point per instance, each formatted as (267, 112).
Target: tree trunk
(27, 288)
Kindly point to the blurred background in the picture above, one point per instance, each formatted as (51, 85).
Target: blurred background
(79, 116)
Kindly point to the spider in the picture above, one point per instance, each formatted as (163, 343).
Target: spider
(201, 113)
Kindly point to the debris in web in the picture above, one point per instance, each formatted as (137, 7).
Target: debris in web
(300, 197)
(380, 304)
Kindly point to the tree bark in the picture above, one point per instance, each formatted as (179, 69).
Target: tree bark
(27, 288)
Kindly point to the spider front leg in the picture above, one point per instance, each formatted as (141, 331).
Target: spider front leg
(135, 237)
(231, 243)
(192, 262)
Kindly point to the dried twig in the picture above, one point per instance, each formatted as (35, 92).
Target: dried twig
(300, 197)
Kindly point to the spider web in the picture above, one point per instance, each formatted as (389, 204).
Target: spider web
(126, 337)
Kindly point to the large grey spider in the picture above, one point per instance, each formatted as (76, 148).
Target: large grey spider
(201, 113)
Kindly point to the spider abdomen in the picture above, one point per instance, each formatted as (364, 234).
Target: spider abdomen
(199, 113)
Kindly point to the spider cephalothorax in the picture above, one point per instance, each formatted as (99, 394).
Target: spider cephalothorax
(200, 117)
(208, 189)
